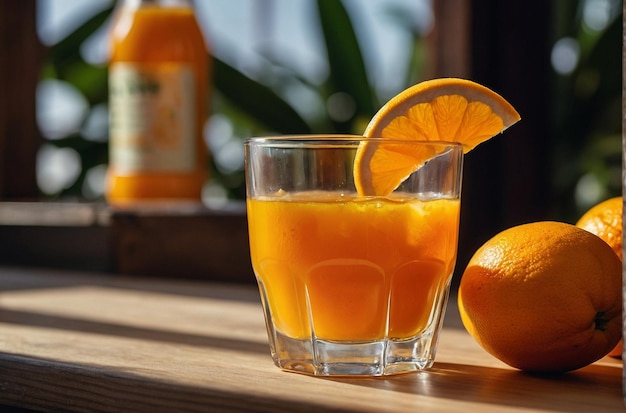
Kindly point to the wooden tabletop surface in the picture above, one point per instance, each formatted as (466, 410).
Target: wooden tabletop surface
(99, 342)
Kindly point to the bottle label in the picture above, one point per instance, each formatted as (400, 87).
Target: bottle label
(152, 117)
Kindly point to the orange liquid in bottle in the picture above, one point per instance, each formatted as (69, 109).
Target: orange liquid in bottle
(158, 85)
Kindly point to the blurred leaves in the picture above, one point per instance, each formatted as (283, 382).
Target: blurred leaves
(257, 100)
(347, 68)
(67, 64)
(588, 142)
(255, 103)
(587, 115)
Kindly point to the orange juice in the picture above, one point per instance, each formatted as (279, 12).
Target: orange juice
(344, 268)
(158, 87)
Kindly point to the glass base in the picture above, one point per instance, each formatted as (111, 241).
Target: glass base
(377, 358)
(382, 357)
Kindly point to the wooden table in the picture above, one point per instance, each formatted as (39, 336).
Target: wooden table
(98, 342)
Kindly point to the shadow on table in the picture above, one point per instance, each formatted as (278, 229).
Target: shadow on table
(99, 388)
(34, 319)
(504, 387)
(12, 279)
(18, 278)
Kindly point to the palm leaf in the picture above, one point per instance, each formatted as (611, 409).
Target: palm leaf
(66, 53)
(348, 73)
(257, 100)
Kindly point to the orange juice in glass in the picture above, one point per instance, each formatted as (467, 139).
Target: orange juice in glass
(350, 284)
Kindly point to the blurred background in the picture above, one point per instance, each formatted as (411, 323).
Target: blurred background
(299, 66)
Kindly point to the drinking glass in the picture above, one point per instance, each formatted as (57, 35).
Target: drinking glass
(350, 284)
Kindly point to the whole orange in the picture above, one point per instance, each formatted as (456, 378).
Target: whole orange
(543, 297)
(605, 220)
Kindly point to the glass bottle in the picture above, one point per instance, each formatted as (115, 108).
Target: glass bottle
(158, 103)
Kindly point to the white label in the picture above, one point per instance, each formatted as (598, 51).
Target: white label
(152, 117)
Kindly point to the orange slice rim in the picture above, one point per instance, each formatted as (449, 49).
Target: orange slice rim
(446, 110)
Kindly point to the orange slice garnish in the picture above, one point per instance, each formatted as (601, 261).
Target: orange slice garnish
(447, 109)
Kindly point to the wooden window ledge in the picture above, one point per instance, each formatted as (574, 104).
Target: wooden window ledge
(169, 240)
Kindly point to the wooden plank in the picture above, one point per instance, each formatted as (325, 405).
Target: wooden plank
(53, 214)
(96, 342)
(506, 181)
(449, 41)
(165, 241)
(21, 55)
(190, 242)
(55, 234)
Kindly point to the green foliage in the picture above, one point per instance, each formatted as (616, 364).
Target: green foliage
(257, 100)
(347, 69)
(588, 142)
(587, 115)
(253, 104)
